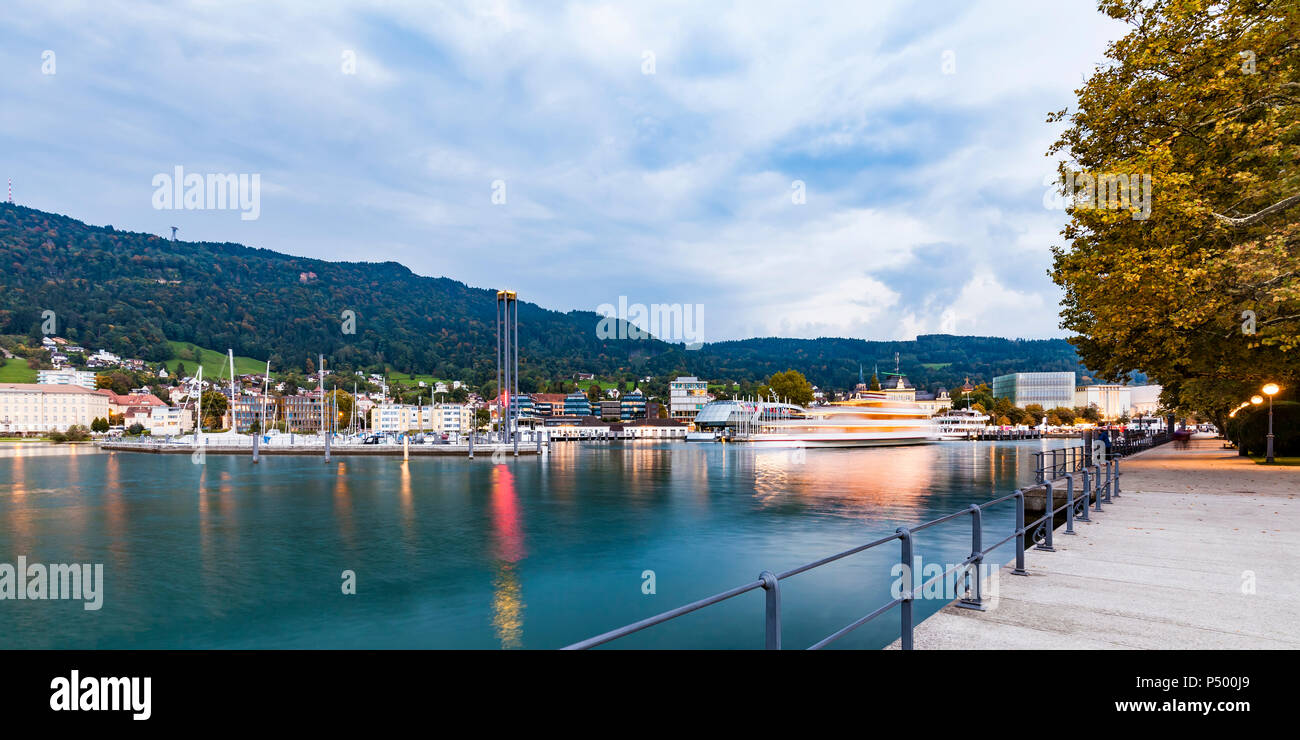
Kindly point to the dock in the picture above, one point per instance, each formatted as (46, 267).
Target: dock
(481, 449)
(1200, 551)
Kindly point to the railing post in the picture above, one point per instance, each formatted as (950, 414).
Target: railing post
(1117, 477)
(1097, 486)
(905, 538)
(975, 601)
(772, 609)
(1069, 509)
(1051, 520)
(1020, 535)
(1110, 478)
(1087, 495)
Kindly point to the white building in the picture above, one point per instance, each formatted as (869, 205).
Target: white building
(1111, 401)
(168, 421)
(32, 407)
(686, 396)
(1144, 400)
(450, 418)
(68, 376)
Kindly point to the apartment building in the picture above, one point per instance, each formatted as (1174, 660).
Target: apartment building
(66, 376)
(27, 408)
(686, 396)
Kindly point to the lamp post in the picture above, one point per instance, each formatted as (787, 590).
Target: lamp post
(1270, 390)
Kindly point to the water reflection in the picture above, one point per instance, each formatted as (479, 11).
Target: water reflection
(508, 550)
(343, 506)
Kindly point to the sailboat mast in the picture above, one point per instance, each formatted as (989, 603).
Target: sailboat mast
(234, 426)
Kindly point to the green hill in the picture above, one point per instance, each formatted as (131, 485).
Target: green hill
(215, 364)
(15, 370)
(140, 295)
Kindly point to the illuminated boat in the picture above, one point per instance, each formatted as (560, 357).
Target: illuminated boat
(869, 419)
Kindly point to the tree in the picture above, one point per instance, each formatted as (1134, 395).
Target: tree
(593, 392)
(875, 383)
(1197, 285)
(345, 402)
(1034, 414)
(214, 408)
(791, 386)
(482, 417)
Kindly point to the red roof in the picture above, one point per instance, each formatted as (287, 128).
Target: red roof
(147, 399)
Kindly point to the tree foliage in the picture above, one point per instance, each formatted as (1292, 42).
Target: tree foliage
(1201, 97)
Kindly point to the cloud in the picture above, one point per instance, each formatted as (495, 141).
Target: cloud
(923, 189)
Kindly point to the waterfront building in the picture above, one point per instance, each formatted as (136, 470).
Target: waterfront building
(521, 406)
(577, 427)
(548, 404)
(1144, 400)
(1048, 390)
(66, 376)
(35, 408)
(686, 396)
(576, 404)
(453, 418)
(134, 407)
(898, 389)
(1111, 400)
(609, 410)
(632, 405)
(167, 421)
(398, 418)
(302, 413)
(652, 429)
(934, 403)
(248, 408)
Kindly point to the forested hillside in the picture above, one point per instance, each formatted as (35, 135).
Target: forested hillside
(132, 293)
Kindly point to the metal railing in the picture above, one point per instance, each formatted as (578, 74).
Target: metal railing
(1056, 463)
(1132, 444)
(1100, 485)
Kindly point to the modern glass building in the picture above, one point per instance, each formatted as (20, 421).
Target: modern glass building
(633, 405)
(576, 404)
(1048, 390)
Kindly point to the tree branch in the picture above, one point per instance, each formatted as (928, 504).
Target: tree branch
(1258, 216)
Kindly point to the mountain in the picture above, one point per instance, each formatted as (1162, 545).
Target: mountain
(133, 293)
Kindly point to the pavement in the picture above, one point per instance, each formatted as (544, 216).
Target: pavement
(1201, 550)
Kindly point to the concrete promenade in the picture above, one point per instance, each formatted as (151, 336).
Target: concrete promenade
(1162, 568)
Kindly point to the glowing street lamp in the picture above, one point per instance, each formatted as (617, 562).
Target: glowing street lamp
(1270, 390)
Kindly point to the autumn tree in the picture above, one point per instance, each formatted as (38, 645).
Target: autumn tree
(1194, 277)
(791, 386)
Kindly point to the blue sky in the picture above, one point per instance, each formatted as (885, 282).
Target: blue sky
(924, 185)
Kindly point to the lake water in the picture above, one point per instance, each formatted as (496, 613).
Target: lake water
(452, 553)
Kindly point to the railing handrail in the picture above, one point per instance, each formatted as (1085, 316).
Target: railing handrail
(770, 582)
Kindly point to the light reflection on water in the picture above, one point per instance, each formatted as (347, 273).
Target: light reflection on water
(458, 553)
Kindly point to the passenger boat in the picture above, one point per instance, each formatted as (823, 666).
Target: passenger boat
(868, 419)
(961, 423)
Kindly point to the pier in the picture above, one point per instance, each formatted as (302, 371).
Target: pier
(485, 450)
(1199, 552)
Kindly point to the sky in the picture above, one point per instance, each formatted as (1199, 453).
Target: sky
(874, 170)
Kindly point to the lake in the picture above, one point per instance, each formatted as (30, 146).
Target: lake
(453, 553)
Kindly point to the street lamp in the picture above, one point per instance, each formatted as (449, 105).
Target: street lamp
(1270, 390)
